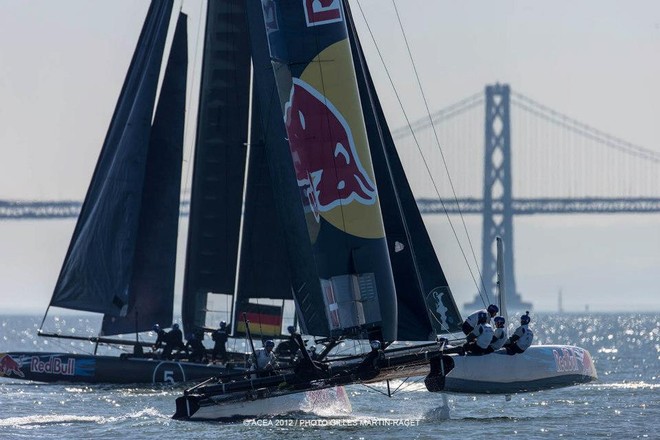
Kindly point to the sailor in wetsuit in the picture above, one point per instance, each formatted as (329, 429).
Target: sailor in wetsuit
(220, 337)
(478, 341)
(196, 346)
(471, 321)
(161, 337)
(175, 341)
(521, 338)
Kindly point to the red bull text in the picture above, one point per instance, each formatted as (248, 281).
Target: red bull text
(53, 365)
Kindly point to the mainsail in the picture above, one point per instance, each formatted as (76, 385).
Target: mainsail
(107, 260)
(151, 295)
(316, 83)
(308, 78)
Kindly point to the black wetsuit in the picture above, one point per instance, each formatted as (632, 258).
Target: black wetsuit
(220, 338)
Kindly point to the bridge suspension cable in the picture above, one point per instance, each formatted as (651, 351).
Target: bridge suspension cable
(563, 121)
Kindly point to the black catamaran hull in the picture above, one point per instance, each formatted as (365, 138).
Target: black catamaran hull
(80, 368)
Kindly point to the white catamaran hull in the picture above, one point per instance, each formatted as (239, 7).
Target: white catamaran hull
(335, 399)
(540, 367)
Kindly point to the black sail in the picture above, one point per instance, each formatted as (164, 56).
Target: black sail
(425, 304)
(151, 292)
(264, 270)
(219, 163)
(277, 222)
(97, 270)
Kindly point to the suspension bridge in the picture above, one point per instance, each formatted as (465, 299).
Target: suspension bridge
(470, 151)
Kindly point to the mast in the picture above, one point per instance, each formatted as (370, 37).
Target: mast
(501, 279)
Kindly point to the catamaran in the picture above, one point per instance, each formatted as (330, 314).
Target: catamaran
(122, 256)
(347, 231)
(298, 195)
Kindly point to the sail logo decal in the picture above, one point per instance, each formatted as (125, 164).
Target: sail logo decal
(439, 306)
(9, 366)
(318, 12)
(441, 311)
(327, 166)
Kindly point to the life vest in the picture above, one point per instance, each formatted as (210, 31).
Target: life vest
(499, 338)
(484, 334)
(264, 358)
(525, 337)
(472, 320)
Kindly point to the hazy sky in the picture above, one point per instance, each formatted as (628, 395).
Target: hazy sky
(62, 64)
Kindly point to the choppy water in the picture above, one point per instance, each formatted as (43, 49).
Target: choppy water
(625, 403)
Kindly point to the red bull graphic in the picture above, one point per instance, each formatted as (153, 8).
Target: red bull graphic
(9, 367)
(318, 12)
(53, 365)
(327, 165)
(573, 360)
(329, 148)
(565, 361)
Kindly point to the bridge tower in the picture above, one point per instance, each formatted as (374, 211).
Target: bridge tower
(497, 198)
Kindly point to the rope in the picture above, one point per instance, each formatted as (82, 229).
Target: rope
(409, 124)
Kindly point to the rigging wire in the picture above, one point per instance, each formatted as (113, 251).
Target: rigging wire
(408, 122)
(442, 154)
(398, 388)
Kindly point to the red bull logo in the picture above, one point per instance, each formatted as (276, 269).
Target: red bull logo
(327, 165)
(319, 12)
(566, 361)
(53, 365)
(9, 367)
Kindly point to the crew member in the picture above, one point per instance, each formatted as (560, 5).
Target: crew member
(196, 346)
(220, 337)
(161, 338)
(521, 338)
(478, 341)
(288, 348)
(500, 333)
(266, 360)
(471, 321)
(175, 340)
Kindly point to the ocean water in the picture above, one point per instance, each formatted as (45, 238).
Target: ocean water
(624, 403)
